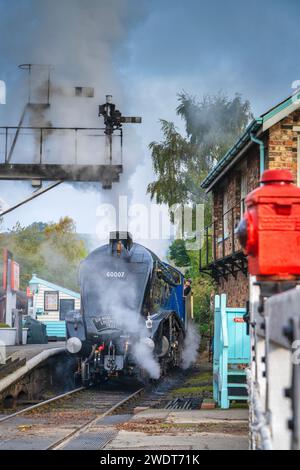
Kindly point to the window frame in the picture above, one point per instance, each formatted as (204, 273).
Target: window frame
(52, 292)
(225, 214)
(244, 179)
(68, 300)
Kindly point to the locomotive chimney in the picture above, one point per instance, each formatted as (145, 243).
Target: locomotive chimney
(118, 240)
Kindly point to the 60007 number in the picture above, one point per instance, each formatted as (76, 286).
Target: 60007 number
(115, 274)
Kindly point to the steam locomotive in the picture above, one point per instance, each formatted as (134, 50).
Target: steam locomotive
(133, 314)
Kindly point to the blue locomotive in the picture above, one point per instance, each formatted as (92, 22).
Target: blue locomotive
(133, 313)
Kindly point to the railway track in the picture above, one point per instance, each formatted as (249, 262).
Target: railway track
(88, 427)
(27, 409)
(75, 420)
(87, 418)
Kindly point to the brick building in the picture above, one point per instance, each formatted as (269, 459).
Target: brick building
(269, 142)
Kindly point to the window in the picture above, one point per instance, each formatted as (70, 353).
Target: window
(244, 192)
(65, 306)
(51, 301)
(225, 213)
(157, 292)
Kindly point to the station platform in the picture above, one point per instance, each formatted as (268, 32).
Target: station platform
(23, 359)
(183, 430)
(28, 351)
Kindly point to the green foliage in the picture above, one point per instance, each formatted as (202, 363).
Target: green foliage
(168, 157)
(214, 123)
(179, 167)
(181, 163)
(178, 253)
(203, 288)
(52, 251)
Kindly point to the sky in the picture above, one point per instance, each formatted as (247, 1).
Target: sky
(143, 52)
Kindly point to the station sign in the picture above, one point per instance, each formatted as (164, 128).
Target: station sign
(15, 276)
(7, 259)
(239, 320)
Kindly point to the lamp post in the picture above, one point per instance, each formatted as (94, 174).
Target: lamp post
(34, 287)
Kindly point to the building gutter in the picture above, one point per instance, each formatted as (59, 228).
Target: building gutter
(261, 152)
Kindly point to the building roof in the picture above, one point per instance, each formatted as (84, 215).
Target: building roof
(259, 125)
(50, 285)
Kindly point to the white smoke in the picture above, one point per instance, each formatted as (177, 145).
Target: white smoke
(3, 205)
(81, 39)
(145, 359)
(191, 346)
(121, 306)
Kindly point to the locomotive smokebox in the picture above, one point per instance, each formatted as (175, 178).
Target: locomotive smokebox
(270, 230)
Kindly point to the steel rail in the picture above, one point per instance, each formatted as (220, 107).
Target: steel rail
(41, 404)
(58, 444)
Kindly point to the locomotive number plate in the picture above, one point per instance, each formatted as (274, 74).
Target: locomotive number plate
(116, 274)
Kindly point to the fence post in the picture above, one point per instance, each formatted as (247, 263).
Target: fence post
(224, 345)
(216, 349)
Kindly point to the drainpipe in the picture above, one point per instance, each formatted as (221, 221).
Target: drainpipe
(261, 153)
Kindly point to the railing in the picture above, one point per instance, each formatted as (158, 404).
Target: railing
(59, 145)
(220, 239)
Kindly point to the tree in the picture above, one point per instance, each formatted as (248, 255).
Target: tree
(63, 238)
(52, 251)
(181, 163)
(169, 161)
(179, 254)
(214, 123)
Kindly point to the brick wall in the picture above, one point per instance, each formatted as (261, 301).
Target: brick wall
(231, 185)
(282, 144)
(281, 148)
(237, 290)
(253, 168)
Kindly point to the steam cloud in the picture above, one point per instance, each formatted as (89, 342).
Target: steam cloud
(80, 39)
(191, 345)
(120, 306)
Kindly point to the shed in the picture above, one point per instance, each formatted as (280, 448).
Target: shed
(51, 302)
